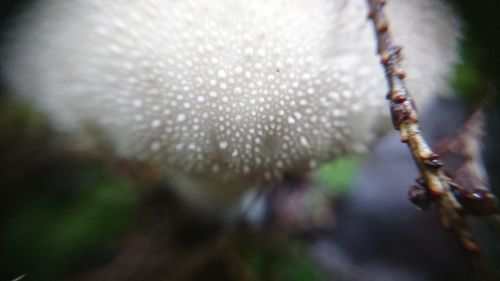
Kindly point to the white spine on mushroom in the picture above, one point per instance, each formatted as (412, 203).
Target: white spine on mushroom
(225, 94)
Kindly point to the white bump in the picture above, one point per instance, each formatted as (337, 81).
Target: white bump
(181, 117)
(223, 145)
(347, 94)
(248, 51)
(306, 76)
(303, 141)
(155, 123)
(215, 168)
(221, 73)
(137, 102)
(246, 169)
(155, 146)
(198, 81)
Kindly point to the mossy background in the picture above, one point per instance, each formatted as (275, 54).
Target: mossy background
(61, 214)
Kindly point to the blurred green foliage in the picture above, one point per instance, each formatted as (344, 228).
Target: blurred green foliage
(291, 264)
(338, 175)
(468, 82)
(68, 214)
(47, 237)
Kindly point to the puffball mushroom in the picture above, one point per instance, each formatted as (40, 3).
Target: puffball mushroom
(225, 95)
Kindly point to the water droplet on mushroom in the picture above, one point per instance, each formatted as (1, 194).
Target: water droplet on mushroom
(181, 117)
(223, 145)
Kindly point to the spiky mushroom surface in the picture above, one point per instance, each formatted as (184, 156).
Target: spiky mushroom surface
(225, 94)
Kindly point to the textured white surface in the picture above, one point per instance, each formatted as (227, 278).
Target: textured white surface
(225, 94)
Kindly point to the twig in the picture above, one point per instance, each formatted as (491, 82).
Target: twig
(19, 278)
(470, 178)
(405, 119)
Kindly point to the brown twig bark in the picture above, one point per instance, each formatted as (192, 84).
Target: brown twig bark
(436, 184)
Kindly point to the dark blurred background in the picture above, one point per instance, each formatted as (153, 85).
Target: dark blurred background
(67, 214)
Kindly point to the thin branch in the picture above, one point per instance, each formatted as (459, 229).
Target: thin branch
(470, 178)
(433, 180)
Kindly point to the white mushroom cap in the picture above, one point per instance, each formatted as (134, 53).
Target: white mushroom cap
(225, 94)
